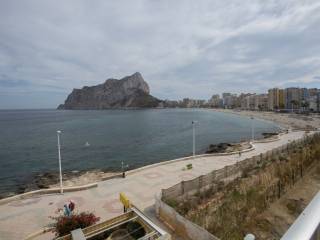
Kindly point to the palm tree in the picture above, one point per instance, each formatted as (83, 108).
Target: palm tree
(305, 105)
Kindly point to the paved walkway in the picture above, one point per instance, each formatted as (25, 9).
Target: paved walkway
(22, 217)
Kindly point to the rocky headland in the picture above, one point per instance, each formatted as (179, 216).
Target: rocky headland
(128, 92)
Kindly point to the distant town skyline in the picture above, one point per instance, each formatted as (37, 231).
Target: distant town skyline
(183, 49)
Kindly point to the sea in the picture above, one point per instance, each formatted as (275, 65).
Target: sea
(104, 139)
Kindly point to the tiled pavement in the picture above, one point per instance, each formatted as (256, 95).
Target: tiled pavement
(22, 217)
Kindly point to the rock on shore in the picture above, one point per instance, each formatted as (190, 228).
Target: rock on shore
(218, 148)
(227, 147)
(128, 92)
(70, 179)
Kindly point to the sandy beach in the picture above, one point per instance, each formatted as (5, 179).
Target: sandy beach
(285, 120)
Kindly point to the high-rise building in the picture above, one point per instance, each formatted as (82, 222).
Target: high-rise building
(229, 101)
(225, 95)
(282, 100)
(304, 94)
(273, 98)
(249, 102)
(244, 100)
(260, 102)
(193, 103)
(312, 104)
(313, 92)
(225, 98)
(292, 98)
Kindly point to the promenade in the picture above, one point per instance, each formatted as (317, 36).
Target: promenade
(20, 218)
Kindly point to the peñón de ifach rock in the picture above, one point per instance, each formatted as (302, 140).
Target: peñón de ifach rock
(128, 92)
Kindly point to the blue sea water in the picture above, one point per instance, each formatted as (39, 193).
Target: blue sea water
(28, 140)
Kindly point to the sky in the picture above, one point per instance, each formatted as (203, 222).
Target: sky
(182, 48)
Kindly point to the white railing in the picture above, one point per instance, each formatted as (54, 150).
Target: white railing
(307, 225)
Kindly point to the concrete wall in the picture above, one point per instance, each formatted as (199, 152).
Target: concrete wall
(182, 226)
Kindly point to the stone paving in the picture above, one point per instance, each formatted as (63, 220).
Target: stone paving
(22, 217)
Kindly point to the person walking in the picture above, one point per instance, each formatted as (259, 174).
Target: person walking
(66, 210)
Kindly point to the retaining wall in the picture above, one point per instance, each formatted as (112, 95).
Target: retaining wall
(181, 226)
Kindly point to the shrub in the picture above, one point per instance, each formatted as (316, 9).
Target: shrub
(295, 206)
(65, 224)
(245, 172)
(171, 202)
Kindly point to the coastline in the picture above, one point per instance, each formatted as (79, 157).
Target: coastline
(50, 180)
(141, 185)
(284, 120)
(78, 178)
(83, 183)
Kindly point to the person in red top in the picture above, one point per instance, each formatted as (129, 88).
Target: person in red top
(71, 206)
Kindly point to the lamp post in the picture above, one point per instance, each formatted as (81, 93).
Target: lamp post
(59, 154)
(194, 137)
(252, 128)
(123, 169)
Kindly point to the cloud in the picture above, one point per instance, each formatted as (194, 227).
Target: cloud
(182, 48)
(5, 83)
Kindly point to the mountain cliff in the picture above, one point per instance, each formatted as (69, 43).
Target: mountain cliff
(128, 92)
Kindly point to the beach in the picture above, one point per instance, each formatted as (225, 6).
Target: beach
(285, 120)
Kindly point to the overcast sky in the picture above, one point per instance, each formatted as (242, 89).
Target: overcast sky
(181, 48)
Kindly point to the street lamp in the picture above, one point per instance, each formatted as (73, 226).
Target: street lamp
(252, 128)
(194, 137)
(123, 169)
(59, 154)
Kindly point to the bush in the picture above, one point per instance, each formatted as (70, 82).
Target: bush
(295, 206)
(189, 166)
(65, 224)
(171, 202)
